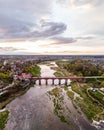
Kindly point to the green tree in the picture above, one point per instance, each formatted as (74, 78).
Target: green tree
(102, 83)
(102, 75)
(80, 74)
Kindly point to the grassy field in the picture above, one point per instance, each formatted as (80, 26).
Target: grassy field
(35, 71)
(3, 119)
(92, 111)
(97, 95)
(90, 108)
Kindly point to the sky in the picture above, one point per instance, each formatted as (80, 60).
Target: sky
(68, 27)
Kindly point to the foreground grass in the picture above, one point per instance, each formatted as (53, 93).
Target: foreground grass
(90, 108)
(3, 119)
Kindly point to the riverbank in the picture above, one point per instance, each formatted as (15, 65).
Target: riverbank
(14, 90)
(3, 118)
(91, 108)
(12, 93)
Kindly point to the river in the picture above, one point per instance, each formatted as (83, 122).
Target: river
(35, 111)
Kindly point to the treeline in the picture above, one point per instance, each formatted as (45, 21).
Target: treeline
(5, 74)
(81, 67)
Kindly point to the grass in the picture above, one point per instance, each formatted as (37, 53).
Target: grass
(97, 95)
(57, 106)
(55, 92)
(59, 74)
(3, 119)
(90, 80)
(62, 118)
(91, 109)
(70, 94)
(34, 70)
(94, 80)
(80, 89)
(66, 88)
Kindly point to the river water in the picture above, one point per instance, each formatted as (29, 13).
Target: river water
(35, 111)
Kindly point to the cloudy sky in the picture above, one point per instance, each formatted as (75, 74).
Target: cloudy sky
(52, 27)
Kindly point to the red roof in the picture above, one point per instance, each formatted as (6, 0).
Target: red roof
(24, 75)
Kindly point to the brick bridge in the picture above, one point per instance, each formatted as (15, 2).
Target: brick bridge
(61, 78)
(54, 78)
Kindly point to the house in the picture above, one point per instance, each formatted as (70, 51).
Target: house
(26, 76)
(23, 76)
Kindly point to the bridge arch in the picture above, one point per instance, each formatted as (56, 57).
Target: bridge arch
(43, 81)
(56, 81)
(62, 81)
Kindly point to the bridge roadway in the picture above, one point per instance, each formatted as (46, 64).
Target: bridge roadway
(74, 78)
